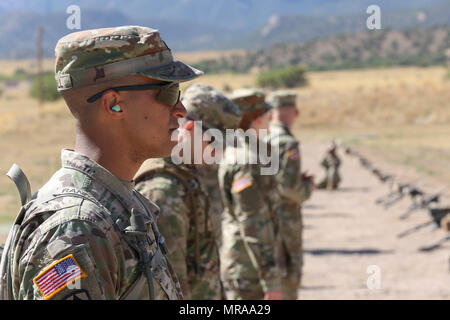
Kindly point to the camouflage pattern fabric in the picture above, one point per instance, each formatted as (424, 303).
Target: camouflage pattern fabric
(94, 56)
(281, 98)
(294, 191)
(250, 100)
(331, 163)
(79, 220)
(208, 175)
(248, 251)
(184, 212)
(212, 107)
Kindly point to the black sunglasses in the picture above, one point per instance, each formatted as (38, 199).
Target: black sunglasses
(170, 92)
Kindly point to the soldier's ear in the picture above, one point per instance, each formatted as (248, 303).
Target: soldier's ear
(108, 100)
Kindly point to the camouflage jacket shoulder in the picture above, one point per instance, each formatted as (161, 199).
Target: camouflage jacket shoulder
(78, 220)
(249, 222)
(185, 222)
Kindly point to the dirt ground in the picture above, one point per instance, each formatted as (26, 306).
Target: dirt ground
(346, 232)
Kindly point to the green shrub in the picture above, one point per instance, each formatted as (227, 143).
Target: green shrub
(290, 77)
(50, 93)
(20, 74)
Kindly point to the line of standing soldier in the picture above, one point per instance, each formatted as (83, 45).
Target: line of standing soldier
(251, 246)
(220, 232)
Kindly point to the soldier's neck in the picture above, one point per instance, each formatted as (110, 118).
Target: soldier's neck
(109, 154)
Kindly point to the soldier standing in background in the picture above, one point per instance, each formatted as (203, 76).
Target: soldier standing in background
(185, 218)
(248, 259)
(208, 174)
(87, 233)
(295, 188)
(331, 163)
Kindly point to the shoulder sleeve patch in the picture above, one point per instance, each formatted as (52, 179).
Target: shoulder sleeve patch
(58, 275)
(293, 154)
(242, 183)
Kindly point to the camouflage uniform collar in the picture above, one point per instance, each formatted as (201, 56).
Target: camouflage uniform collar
(280, 126)
(79, 162)
(185, 167)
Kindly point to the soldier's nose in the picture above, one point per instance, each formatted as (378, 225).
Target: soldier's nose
(179, 111)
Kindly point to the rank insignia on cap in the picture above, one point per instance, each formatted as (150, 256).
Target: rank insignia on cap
(58, 275)
(242, 183)
(293, 154)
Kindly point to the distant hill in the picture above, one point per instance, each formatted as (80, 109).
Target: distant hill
(235, 15)
(377, 48)
(300, 28)
(189, 25)
(18, 31)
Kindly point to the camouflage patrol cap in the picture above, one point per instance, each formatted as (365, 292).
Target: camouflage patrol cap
(94, 56)
(210, 106)
(282, 98)
(250, 101)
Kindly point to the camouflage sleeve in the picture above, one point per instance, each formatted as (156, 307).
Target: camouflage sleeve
(74, 259)
(289, 177)
(173, 220)
(257, 230)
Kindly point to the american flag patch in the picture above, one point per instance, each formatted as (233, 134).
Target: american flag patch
(57, 276)
(242, 184)
(293, 154)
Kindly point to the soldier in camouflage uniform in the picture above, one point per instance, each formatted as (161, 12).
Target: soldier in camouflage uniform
(294, 187)
(179, 191)
(331, 163)
(247, 253)
(209, 176)
(87, 233)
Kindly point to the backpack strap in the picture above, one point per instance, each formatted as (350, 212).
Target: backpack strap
(23, 186)
(20, 179)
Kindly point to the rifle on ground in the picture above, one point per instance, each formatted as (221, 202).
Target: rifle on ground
(421, 204)
(435, 245)
(394, 190)
(365, 163)
(385, 177)
(398, 195)
(437, 214)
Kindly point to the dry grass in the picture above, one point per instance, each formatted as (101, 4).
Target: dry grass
(400, 114)
(405, 110)
(376, 97)
(196, 56)
(8, 67)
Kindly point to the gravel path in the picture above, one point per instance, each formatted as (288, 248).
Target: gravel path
(346, 232)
